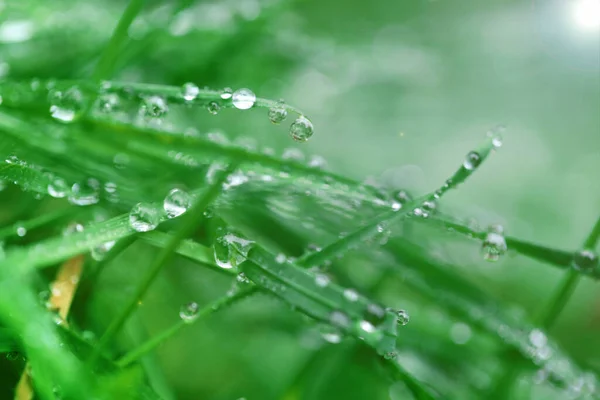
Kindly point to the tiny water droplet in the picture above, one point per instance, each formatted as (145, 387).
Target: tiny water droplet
(293, 154)
(367, 326)
(280, 258)
(460, 333)
(472, 161)
(144, 217)
(390, 355)
(322, 280)
(402, 317)
(402, 197)
(21, 231)
(99, 252)
(278, 113)
(330, 333)
(496, 136)
(585, 260)
(243, 99)
(301, 129)
(494, 245)
(351, 295)
(242, 278)
(339, 318)
(189, 91)
(317, 161)
(226, 93)
(154, 106)
(58, 188)
(177, 202)
(189, 312)
(85, 193)
(374, 314)
(213, 107)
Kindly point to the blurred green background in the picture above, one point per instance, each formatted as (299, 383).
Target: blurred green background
(398, 92)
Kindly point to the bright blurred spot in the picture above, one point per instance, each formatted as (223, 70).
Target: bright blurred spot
(587, 14)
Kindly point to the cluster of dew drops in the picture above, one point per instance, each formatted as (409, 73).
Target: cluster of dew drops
(243, 99)
(66, 105)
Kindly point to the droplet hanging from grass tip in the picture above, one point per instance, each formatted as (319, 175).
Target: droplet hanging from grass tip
(301, 129)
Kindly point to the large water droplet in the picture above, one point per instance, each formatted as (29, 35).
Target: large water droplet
(494, 245)
(189, 312)
(472, 161)
(243, 99)
(58, 188)
(301, 129)
(189, 91)
(278, 113)
(177, 202)
(154, 106)
(85, 193)
(585, 260)
(144, 217)
(230, 250)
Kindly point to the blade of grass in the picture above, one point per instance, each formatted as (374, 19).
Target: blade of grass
(104, 67)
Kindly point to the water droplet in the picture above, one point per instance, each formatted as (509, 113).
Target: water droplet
(403, 197)
(230, 250)
(538, 338)
(402, 317)
(460, 333)
(144, 217)
(85, 193)
(108, 102)
(278, 113)
(280, 258)
(189, 312)
(293, 154)
(494, 244)
(177, 202)
(339, 318)
(367, 326)
(302, 129)
(154, 106)
(585, 260)
(58, 188)
(374, 314)
(317, 161)
(351, 295)
(427, 208)
(396, 206)
(242, 278)
(65, 106)
(189, 91)
(213, 107)
(322, 280)
(21, 231)
(99, 252)
(472, 161)
(390, 355)
(496, 136)
(330, 333)
(226, 93)
(243, 99)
